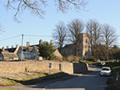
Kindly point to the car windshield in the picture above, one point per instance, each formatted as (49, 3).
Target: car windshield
(106, 69)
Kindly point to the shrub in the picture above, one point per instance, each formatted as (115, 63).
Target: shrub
(111, 87)
(119, 63)
(58, 58)
(76, 58)
(63, 58)
(70, 58)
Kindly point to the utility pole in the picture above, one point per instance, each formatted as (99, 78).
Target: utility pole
(22, 48)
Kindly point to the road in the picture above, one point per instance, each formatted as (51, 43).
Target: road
(86, 81)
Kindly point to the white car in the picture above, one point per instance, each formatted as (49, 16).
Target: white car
(105, 71)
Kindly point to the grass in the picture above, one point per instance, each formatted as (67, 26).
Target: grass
(115, 70)
(94, 63)
(28, 78)
(89, 62)
(111, 87)
(8, 89)
(111, 80)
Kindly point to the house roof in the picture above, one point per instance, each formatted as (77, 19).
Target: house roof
(10, 49)
(0, 50)
(30, 49)
(24, 47)
(8, 54)
(69, 46)
(36, 47)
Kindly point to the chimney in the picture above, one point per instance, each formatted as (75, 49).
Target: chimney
(12, 46)
(40, 42)
(28, 44)
(16, 46)
(7, 47)
(51, 42)
(3, 48)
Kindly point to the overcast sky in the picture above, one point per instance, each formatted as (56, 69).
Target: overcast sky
(104, 11)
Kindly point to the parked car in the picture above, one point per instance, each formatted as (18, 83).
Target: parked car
(103, 63)
(97, 60)
(100, 63)
(105, 71)
(116, 61)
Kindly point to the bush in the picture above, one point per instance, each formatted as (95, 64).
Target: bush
(58, 58)
(70, 58)
(76, 59)
(63, 58)
(73, 58)
(111, 87)
(111, 80)
(119, 63)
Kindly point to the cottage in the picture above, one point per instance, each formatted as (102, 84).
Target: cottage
(32, 51)
(9, 53)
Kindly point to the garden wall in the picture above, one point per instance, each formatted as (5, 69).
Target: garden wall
(41, 66)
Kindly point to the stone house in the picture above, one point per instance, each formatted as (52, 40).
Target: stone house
(32, 51)
(28, 52)
(9, 53)
(83, 51)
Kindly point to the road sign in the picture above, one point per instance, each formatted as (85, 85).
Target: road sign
(49, 66)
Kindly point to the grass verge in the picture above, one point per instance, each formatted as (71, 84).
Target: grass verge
(28, 78)
(112, 81)
(8, 89)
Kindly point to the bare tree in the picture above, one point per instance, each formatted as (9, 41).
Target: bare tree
(94, 29)
(59, 35)
(37, 6)
(109, 37)
(75, 27)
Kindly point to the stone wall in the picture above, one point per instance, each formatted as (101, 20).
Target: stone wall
(43, 66)
(80, 67)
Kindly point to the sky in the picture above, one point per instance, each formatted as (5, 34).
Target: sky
(34, 28)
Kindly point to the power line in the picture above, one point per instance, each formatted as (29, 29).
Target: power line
(25, 36)
(10, 38)
(39, 35)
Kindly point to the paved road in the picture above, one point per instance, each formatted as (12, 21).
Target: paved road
(87, 81)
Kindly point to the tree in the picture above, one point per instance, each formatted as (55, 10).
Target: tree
(75, 27)
(59, 35)
(109, 37)
(99, 52)
(37, 6)
(94, 29)
(115, 52)
(46, 50)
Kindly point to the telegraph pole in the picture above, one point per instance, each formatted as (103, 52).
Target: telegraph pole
(22, 48)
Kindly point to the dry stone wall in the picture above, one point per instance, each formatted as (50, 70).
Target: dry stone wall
(32, 66)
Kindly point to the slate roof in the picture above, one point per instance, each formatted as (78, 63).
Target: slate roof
(11, 50)
(69, 46)
(8, 54)
(24, 48)
(30, 49)
(36, 47)
(0, 50)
